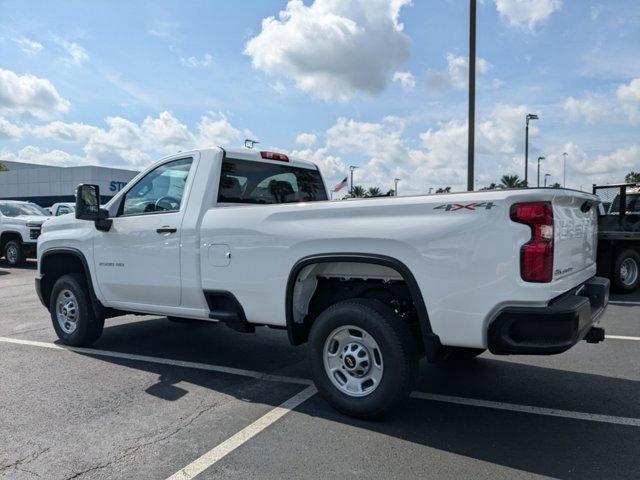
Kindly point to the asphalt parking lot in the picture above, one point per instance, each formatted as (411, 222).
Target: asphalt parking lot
(153, 399)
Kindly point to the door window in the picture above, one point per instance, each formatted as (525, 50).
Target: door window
(159, 191)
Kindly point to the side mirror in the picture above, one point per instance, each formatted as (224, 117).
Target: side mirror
(88, 202)
(88, 206)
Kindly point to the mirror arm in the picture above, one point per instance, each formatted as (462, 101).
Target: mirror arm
(103, 222)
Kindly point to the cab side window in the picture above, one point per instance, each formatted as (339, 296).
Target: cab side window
(159, 191)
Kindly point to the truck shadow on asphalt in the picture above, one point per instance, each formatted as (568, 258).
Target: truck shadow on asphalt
(557, 447)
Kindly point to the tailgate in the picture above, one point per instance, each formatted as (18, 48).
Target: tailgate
(575, 234)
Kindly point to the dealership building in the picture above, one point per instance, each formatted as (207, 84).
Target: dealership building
(46, 185)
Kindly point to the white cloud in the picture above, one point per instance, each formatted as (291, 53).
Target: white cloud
(629, 98)
(8, 130)
(456, 74)
(331, 166)
(194, 62)
(77, 55)
(215, 129)
(306, 139)
(28, 46)
(589, 109)
(527, 14)
(584, 169)
(64, 132)
(406, 80)
(33, 154)
(30, 95)
(167, 133)
(333, 48)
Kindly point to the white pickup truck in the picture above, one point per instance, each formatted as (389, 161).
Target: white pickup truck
(250, 239)
(20, 224)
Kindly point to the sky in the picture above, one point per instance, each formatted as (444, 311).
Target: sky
(379, 84)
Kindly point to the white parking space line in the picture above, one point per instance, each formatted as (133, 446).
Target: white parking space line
(160, 360)
(551, 412)
(220, 451)
(622, 337)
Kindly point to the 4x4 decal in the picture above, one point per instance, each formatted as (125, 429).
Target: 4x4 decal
(452, 207)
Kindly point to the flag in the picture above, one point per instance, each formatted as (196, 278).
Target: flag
(340, 186)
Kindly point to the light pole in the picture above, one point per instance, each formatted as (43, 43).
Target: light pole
(472, 94)
(430, 190)
(530, 116)
(352, 168)
(395, 187)
(546, 175)
(564, 170)
(539, 158)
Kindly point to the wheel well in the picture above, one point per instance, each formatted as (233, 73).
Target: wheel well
(6, 237)
(55, 265)
(317, 283)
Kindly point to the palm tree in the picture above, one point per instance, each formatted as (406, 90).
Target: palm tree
(491, 186)
(444, 190)
(3, 167)
(373, 192)
(632, 177)
(512, 181)
(358, 191)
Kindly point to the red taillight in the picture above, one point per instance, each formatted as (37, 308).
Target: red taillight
(274, 156)
(536, 256)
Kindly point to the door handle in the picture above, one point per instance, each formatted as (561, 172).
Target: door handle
(166, 229)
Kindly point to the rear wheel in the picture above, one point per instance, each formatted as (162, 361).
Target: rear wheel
(626, 273)
(13, 253)
(72, 314)
(363, 357)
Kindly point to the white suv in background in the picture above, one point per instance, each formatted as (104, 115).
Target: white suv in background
(61, 208)
(20, 225)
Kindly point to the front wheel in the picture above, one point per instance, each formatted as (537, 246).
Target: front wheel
(626, 274)
(363, 357)
(13, 253)
(72, 314)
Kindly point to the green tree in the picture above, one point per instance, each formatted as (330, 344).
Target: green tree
(3, 167)
(632, 177)
(512, 181)
(358, 191)
(443, 190)
(556, 185)
(491, 186)
(391, 193)
(373, 192)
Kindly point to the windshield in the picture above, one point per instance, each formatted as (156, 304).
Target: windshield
(11, 209)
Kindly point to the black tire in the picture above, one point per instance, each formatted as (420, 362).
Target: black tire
(88, 326)
(15, 257)
(620, 283)
(397, 347)
(456, 354)
(181, 320)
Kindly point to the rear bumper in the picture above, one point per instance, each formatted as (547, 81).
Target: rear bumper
(554, 328)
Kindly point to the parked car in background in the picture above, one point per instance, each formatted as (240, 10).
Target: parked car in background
(20, 226)
(619, 235)
(250, 239)
(62, 208)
